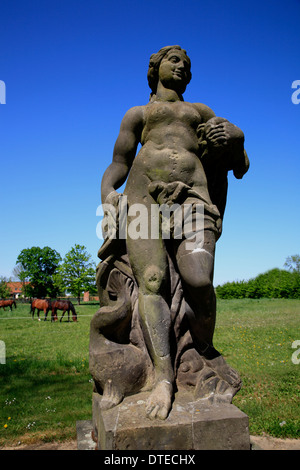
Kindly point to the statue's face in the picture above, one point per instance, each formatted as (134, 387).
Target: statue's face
(174, 69)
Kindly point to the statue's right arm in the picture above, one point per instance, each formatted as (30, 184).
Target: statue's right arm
(124, 151)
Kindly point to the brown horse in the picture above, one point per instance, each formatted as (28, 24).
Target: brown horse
(66, 306)
(41, 304)
(7, 303)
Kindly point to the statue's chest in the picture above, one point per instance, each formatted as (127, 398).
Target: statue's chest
(161, 113)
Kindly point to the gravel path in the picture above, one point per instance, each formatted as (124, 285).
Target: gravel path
(263, 442)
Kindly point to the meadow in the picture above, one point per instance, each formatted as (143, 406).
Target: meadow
(45, 384)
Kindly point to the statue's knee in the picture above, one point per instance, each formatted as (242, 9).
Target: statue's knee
(201, 282)
(153, 278)
(196, 269)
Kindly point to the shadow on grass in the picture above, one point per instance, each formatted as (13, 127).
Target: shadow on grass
(26, 379)
(41, 398)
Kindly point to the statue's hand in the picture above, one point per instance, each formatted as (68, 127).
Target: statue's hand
(110, 220)
(216, 134)
(220, 133)
(113, 198)
(220, 138)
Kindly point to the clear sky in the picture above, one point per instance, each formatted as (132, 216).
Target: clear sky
(72, 69)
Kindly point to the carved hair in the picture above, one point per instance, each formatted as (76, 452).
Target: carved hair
(154, 64)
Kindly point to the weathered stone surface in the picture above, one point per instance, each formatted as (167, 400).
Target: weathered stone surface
(191, 425)
(84, 435)
(154, 329)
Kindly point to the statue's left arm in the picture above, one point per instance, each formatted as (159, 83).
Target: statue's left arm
(227, 140)
(224, 144)
(221, 149)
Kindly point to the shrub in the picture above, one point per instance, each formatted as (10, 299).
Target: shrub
(276, 283)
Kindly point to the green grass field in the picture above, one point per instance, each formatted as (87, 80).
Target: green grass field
(46, 385)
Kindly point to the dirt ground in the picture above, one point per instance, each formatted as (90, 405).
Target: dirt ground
(67, 445)
(272, 443)
(263, 442)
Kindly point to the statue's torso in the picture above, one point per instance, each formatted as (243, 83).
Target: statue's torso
(170, 150)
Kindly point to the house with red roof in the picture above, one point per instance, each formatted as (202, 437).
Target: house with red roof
(16, 289)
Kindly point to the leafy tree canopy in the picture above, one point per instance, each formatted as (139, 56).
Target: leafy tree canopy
(77, 272)
(276, 283)
(4, 289)
(38, 267)
(293, 263)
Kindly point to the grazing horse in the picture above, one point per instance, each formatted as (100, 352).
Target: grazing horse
(7, 303)
(41, 304)
(66, 306)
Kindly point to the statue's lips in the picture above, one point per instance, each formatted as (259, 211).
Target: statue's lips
(178, 74)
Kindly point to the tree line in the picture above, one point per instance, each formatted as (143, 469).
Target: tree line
(275, 283)
(44, 273)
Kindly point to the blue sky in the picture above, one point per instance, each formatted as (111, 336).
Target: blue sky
(72, 69)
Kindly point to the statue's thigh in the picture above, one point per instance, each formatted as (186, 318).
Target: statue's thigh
(148, 261)
(196, 266)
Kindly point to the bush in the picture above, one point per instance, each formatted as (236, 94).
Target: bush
(276, 283)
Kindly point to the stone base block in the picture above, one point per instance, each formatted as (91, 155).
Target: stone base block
(191, 425)
(84, 435)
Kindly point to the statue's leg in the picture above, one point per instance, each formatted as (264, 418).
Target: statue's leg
(149, 264)
(196, 269)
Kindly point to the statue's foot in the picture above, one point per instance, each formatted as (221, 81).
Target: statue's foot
(111, 396)
(225, 371)
(217, 381)
(159, 402)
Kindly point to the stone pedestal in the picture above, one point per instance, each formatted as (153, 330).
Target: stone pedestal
(191, 425)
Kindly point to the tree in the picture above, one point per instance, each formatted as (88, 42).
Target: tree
(293, 263)
(59, 283)
(4, 289)
(275, 283)
(77, 272)
(38, 266)
(19, 274)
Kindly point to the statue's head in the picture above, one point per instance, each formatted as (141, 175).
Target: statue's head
(162, 55)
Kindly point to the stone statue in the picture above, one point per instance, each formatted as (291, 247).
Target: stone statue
(154, 329)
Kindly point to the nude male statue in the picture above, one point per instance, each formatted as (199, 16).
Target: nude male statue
(175, 136)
